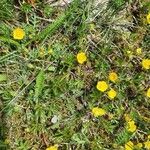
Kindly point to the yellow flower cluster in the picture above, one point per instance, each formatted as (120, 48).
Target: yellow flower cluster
(131, 127)
(137, 52)
(103, 86)
(130, 146)
(145, 63)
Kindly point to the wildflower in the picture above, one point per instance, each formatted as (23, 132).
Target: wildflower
(139, 145)
(42, 52)
(81, 57)
(98, 111)
(148, 18)
(147, 145)
(127, 117)
(129, 146)
(102, 86)
(131, 127)
(112, 94)
(148, 93)
(18, 34)
(146, 63)
(139, 51)
(130, 54)
(92, 26)
(113, 76)
(55, 147)
(50, 51)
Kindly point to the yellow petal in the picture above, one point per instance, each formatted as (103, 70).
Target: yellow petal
(148, 18)
(18, 34)
(139, 51)
(139, 145)
(147, 145)
(98, 111)
(112, 94)
(131, 126)
(127, 117)
(81, 57)
(146, 63)
(50, 51)
(113, 77)
(55, 147)
(102, 86)
(148, 93)
(129, 146)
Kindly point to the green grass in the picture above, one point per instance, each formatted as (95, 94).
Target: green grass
(41, 80)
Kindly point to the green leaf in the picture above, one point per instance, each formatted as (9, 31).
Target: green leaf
(3, 77)
(77, 138)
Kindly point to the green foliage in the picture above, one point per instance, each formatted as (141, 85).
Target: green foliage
(31, 97)
(117, 4)
(3, 146)
(6, 11)
(50, 29)
(9, 41)
(122, 137)
(39, 85)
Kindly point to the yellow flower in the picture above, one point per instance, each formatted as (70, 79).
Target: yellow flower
(129, 146)
(139, 145)
(18, 34)
(102, 86)
(147, 145)
(146, 63)
(129, 52)
(131, 127)
(148, 93)
(98, 111)
(41, 52)
(112, 94)
(139, 51)
(55, 147)
(113, 77)
(50, 51)
(81, 57)
(148, 136)
(148, 18)
(127, 117)
(92, 26)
